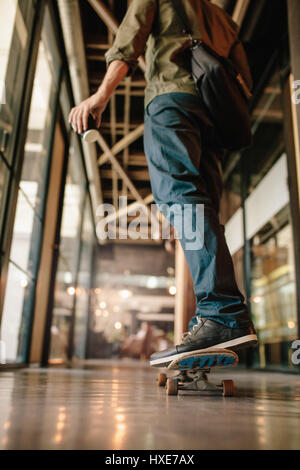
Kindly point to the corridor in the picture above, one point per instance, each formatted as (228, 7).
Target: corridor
(117, 405)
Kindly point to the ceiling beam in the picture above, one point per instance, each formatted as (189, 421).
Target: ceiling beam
(95, 78)
(105, 14)
(127, 102)
(108, 194)
(119, 169)
(113, 122)
(123, 143)
(130, 207)
(155, 219)
(240, 11)
(221, 3)
(112, 24)
(121, 92)
(122, 173)
(269, 115)
(98, 46)
(136, 175)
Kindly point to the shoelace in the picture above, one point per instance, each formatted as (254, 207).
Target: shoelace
(195, 327)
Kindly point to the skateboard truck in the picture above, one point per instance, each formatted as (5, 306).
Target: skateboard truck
(194, 370)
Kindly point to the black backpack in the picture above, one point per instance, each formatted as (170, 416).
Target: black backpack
(223, 90)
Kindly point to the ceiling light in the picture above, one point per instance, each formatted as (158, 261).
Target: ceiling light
(71, 291)
(68, 277)
(24, 283)
(125, 294)
(152, 282)
(172, 290)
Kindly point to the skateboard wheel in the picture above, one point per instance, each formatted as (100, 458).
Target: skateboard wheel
(172, 387)
(162, 380)
(228, 388)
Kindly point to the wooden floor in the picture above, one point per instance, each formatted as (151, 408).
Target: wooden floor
(117, 405)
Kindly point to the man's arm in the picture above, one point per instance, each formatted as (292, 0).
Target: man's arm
(97, 103)
(121, 59)
(133, 33)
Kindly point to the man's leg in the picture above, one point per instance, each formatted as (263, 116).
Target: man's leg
(176, 132)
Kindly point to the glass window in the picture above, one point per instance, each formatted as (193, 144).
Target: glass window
(273, 285)
(16, 23)
(66, 275)
(17, 295)
(39, 132)
(268, 129)
(26, 236)
(260, 176)
(84, 284)
(8, 11)
(16, 20)
(27, 231)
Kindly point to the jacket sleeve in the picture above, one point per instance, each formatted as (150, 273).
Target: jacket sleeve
(133, 33)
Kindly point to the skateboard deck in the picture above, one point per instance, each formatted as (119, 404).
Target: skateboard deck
(193, 369)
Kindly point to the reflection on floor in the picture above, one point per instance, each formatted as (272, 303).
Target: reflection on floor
(117, 405)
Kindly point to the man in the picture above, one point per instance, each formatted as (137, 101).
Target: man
(183, 154)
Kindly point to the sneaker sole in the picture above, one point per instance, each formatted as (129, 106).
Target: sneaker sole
(235, 344)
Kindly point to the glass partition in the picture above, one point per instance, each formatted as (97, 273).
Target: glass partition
(29, 218)
(269, 231)
(274, 294)
(16, 24)
(51, 99)
(66, 275)
(256, 210)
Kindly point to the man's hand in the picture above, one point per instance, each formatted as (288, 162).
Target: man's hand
(95, 105)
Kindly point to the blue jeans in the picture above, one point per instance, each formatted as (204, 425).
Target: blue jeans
(185, 168)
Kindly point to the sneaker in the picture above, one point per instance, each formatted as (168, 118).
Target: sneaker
(206, 335)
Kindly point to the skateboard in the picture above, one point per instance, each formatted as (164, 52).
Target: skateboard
(193, 370)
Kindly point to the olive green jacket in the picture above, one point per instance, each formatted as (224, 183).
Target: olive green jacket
(153, 27)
